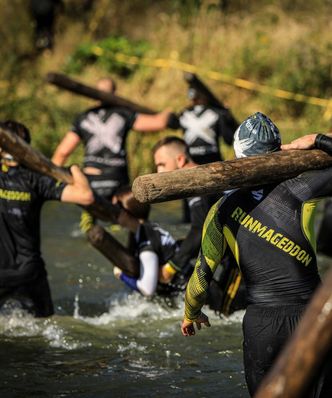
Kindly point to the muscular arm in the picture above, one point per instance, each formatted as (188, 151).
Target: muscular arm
(65, 148)
(149, 123)
(212, 250)
(79, 192)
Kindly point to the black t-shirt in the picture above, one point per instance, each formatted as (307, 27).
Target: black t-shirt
(22, 194)
(202, 126)
(103, 131)
(151, 237)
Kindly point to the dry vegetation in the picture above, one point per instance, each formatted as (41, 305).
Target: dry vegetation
(277, 43)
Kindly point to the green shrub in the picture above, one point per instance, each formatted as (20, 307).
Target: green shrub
(102, 54)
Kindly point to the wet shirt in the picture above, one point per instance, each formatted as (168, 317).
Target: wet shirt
(270, 232)
(103, 131)
(151, 237)
(22, 194)
(199, 207)
(202, 127)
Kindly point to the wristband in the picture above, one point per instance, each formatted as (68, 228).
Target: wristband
(172, 271)
(324, 143)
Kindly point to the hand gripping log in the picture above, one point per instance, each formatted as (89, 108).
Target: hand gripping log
(101, 208)
(221, 176)
(76, 87)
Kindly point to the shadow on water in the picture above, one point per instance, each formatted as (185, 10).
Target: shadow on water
(107, 342)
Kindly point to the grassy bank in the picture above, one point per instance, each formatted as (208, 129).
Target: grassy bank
(283, 45)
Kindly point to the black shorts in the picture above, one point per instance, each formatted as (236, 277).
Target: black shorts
(265, 331)
(34, 297)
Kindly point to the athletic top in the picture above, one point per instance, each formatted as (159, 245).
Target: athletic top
(154, 246)
(103, 131)
(151, 237)
(22, 194)
(202, 126)
(199, 207)
(270, 232)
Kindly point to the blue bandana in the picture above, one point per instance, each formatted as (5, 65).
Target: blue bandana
(256, 135)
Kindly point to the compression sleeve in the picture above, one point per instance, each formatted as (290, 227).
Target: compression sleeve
(324, 143)
(129, 281)
(212, 250)
(149, 272)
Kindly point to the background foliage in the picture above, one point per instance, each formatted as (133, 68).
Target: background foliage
(283, 44)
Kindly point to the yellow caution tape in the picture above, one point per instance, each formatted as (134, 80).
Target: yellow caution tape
(218, 76)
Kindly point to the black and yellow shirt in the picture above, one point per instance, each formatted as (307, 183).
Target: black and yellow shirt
(270, 232)
(22, 194)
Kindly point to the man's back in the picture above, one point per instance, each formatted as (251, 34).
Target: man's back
(270, 231)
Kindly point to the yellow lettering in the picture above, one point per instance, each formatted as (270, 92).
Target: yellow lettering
(307, 260)
(282, 242)
(275, 239)
(259, 228)
(237, 213)
(295, 250)
(268, 235)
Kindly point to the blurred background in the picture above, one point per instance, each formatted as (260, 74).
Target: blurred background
(246, 52)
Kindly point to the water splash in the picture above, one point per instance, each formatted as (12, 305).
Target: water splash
(19, 323)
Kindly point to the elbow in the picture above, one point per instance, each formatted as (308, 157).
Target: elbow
(147, 292)
(87, 199)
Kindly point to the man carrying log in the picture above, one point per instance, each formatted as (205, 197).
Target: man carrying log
(23, 278)
(203, 125)
(270, 232)
(103, 130)
(171, 153)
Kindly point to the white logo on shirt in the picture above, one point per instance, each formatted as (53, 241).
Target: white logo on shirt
(105, 134)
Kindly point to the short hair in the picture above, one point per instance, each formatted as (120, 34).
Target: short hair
(19, 129)
(172, 140)
(132, 205)
(109, 79)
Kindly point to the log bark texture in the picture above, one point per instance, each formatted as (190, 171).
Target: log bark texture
(297, 365)
(76, 87)
(220, 176)
(33, 159)
(113, 250)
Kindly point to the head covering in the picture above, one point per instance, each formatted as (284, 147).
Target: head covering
(256, 135)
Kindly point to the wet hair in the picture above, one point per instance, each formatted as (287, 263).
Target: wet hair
(173, 140)
(126, 197)
(18, 129)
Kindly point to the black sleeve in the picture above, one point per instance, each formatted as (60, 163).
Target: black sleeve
(324, 143)
(188, 250)
(173, 122)
(47, 188)
(190, 246)
(312, 184)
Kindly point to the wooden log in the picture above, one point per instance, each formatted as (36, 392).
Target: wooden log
(296, 367)
(33, 159)
(220, 176)
(113, 250)
(76, 87)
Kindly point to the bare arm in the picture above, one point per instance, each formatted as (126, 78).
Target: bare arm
(148, 123)
(79, 191)
(65, 148)
(305, 142)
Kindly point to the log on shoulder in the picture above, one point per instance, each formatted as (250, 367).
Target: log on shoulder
(33, 159)
(65, 82)
(221, 176)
